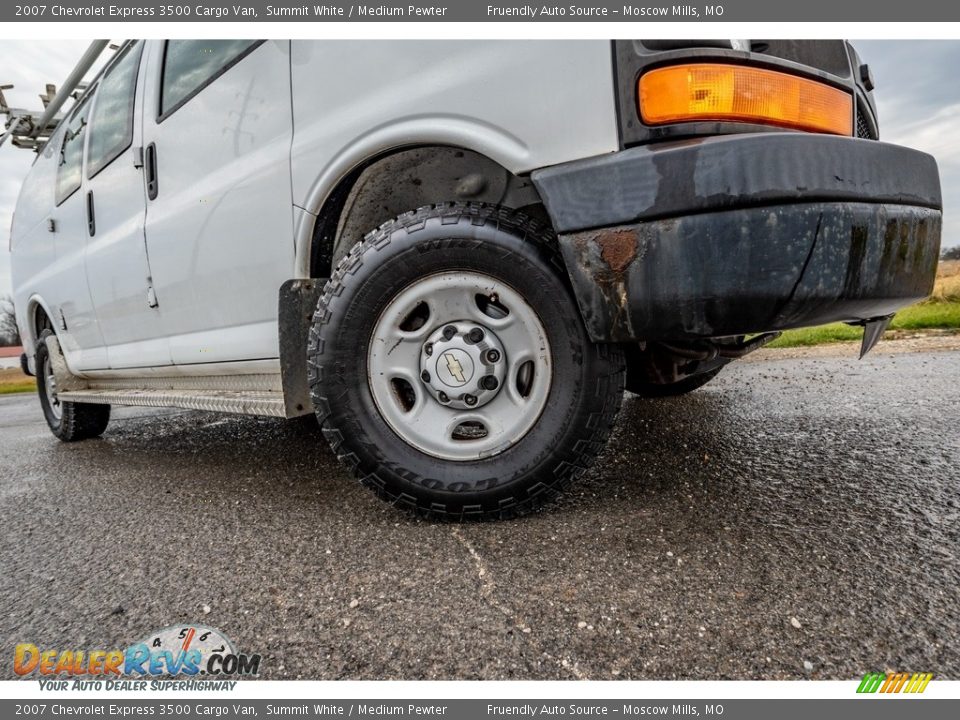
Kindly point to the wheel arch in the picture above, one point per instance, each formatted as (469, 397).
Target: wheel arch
(369, 192)
(382, 186)
(38, 317)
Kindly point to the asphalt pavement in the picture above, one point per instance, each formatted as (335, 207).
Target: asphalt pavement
(794, 518)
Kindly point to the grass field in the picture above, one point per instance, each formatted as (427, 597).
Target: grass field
(941, 311)
(14, 381)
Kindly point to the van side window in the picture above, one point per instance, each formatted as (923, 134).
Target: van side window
(190, 65)
(69, 170)
(111, 123)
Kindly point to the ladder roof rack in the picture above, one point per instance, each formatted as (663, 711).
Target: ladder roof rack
(31, 129)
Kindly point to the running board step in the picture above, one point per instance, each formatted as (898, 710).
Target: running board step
(253, 394)
(244, 402)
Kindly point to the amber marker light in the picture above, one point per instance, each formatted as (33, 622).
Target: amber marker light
(716, 92)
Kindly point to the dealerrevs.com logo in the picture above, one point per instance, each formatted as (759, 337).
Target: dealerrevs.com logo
(178, 650)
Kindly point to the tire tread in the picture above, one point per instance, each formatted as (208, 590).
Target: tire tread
(606, 394)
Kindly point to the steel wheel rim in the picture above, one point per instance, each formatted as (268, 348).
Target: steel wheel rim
(408, 383)
(50, 389)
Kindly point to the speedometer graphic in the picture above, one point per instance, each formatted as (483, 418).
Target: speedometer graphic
(192, 644)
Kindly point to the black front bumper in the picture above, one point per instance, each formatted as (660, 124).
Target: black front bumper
(745, 233)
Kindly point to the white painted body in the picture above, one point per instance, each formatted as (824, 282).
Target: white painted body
(245, 165)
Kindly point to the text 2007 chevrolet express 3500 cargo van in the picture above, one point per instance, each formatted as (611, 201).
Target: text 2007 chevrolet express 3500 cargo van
(457, 254)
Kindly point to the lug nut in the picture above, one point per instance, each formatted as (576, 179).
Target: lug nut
(425, 376)
(428, 349)
(442, 397)
(493, 356)
(476, 335)
(470, 400)
(449, 331)
(489, 382)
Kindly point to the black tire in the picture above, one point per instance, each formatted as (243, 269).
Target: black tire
(584, 398)
(681, 387)
(76, 421)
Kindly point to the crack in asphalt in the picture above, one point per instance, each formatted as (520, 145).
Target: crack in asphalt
(487, 589)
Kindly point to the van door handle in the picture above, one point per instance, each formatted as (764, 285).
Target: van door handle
(91, 219)
(150, 168)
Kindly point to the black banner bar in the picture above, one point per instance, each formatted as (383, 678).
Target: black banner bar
(875, 708)
(481, 11)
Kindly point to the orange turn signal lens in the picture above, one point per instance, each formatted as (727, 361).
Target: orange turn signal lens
(708, 91)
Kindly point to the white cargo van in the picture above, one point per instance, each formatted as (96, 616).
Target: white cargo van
(457, 254)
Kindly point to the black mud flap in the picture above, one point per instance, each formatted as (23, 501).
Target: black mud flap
(298, 300)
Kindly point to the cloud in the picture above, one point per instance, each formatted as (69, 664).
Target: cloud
(918, 101)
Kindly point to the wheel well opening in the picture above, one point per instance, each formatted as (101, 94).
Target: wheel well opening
(41, 321)
(405, 180)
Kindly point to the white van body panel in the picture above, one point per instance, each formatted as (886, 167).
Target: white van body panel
(245, 165)
(32, 242)
(525, 105)
(220, 232)
(118, 273)
(49, 265)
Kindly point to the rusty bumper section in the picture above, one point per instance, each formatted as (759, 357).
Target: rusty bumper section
(753, 270)
(745, 234)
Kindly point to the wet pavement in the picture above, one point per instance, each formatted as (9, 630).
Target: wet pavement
(794, 518)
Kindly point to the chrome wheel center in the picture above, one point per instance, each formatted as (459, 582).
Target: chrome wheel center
(462, 365)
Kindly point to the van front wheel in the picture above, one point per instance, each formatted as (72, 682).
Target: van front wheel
(449, 365)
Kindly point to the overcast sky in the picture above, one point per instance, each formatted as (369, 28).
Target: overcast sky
(918, 99)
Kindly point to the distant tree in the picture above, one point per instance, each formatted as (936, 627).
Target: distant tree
(951, 253)
(9, 334)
